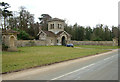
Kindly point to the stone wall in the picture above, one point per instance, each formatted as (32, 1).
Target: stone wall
(106, 43)
(22, 43)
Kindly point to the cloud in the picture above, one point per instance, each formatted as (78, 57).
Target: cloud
(84, 12)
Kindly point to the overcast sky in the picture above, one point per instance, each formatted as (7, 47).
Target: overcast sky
(83, 12)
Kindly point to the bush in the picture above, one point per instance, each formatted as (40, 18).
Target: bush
(4, 47)
(97, 39)
(31, 38)
(86, 40)
(23, 35)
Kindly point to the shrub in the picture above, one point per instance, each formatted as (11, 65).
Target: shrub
(23, 35)
(97, 39)
(4, 47)
(31, 38)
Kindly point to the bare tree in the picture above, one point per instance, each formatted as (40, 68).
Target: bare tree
(43, 21)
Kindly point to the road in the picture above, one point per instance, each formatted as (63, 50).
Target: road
(98, 67)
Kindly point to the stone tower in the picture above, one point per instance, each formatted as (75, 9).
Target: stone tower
(56, 25)
(55, 34)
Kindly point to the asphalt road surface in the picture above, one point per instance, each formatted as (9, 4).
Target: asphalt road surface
(98, 67)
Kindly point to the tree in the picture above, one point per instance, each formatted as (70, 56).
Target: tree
(14, 20)
(107, 34)
(36, 30)
(88, 33)
(115, 31)
(26, 21)
(81, 33)
(24, 17)
(5, 13)
(68, 29)
(74, 32)
(44, 21)
(98, 32)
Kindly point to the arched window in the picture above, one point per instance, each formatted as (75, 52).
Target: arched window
(60, 26)
(53, 26)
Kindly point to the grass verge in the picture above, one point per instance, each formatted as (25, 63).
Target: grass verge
(28, 57)
(98, 46)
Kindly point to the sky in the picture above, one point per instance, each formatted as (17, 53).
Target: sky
(82, 12)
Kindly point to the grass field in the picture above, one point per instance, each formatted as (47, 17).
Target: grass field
(28, 57)
(98, 46)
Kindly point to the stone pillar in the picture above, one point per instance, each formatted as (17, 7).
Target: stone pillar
(115, 41)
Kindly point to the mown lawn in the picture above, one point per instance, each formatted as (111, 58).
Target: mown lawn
(28, 57)
(98, 46)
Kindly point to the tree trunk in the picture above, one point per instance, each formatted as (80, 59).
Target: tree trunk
(4, 23)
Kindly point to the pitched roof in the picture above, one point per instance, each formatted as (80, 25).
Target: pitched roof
(49, 33)
(60, 32)
(55, 19)
(9, 31)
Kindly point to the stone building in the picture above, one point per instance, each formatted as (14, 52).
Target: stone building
(9, 38)
(55, 34)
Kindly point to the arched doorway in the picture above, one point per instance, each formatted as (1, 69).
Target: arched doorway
(63, 41)
(12, 41)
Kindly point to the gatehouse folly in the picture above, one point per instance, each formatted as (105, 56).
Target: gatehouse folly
(9, 38)
(55, 34)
